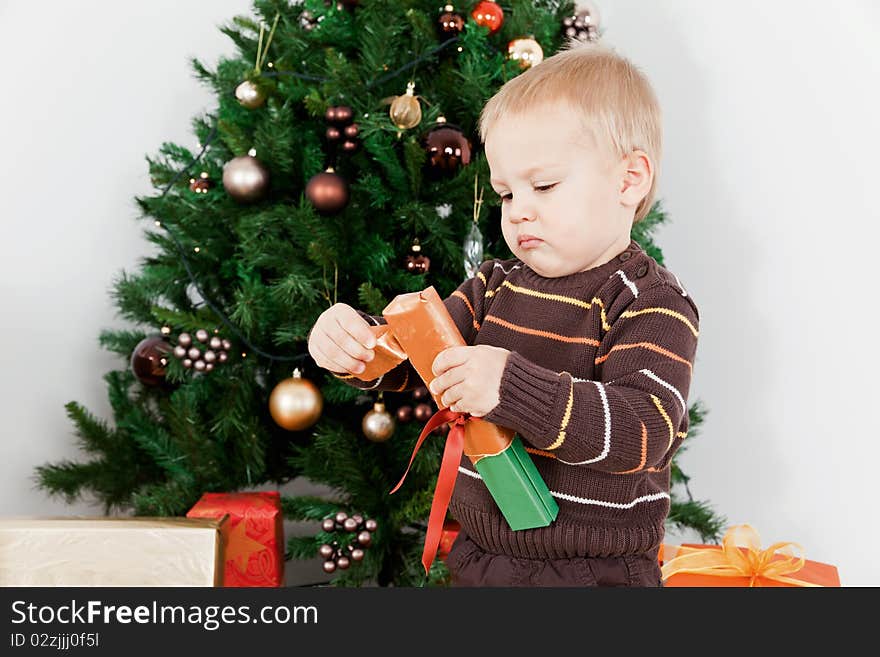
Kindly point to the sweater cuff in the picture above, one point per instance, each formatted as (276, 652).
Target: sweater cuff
(526, 398)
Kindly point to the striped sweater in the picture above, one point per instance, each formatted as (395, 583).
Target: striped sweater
(596, 386)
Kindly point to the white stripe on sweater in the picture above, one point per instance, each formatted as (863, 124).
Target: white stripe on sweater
(606, 410)
(506, 271)
(684, 292)
(665, 384)
(629, 283)
(586, 500)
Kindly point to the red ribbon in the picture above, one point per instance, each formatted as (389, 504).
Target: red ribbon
(445, 480)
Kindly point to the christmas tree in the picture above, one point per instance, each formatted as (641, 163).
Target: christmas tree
(338, 165)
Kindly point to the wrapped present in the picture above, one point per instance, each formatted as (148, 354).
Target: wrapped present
(423, 327)
(106, 551)
(447, 538)
(255, 551)
(740, 561)
(387, 353)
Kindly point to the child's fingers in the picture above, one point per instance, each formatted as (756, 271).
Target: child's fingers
(345, 336)
(337, 360)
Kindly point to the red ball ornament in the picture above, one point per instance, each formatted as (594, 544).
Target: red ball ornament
(488, 14)
(149, 360)
(328, 192)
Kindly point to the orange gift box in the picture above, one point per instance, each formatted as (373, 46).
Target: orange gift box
(740, 562)
(255, 547)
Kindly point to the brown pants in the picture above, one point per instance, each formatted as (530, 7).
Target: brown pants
(469, 565)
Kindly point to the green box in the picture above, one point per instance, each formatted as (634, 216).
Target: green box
(517, 487)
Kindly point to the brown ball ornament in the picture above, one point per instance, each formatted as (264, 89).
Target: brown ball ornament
(417, 262)
(423, 412)
(149, 360)
(451, 22)
(404, 413)
(296, 403)
(245, 178)
(420, 392)
(378, 425)
(447, 147)
(328, 192)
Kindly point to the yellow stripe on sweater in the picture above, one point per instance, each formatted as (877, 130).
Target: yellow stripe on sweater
(543, 334)
(561, 298)
(665, 415)
(566, 417)
(664, 311)
(646, 345)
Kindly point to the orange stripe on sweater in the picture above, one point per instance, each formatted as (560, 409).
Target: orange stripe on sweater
(543, 334)
(461, 295)
(646, 345)
(644, 452)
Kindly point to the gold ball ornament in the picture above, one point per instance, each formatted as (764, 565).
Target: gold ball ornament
(378, 424)
(250, 95)
(245, 178)
(406, 112)
(296, 403)
(526, 51)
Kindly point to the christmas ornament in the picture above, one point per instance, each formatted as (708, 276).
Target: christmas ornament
(352, 548)
(308, 21)
(342, 127)
(202, 184)
(421, 392)
(488, 14)
(404, 413)
(423, 412)
(296, 403)
(250, 95)
(584, 24)
(473, 243)
(526, 51)
(245, 178)
(328, 192)
(405, 110)
(192, 357)
(447, 147)
(378, 425)
(417, 262)
(149, 360)
(450, 21)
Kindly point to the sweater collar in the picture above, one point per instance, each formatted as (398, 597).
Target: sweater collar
(592, 278)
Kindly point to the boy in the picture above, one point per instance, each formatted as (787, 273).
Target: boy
(582, 343)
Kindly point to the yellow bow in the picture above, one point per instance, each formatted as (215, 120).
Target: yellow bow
(731, 561)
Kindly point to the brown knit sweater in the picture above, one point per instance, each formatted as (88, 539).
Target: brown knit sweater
(596, 385)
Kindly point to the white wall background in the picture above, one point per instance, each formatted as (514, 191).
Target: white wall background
(771, 133)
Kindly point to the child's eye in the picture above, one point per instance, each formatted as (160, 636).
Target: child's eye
(546, 188)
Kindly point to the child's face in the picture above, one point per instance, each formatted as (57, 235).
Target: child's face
(570, 201)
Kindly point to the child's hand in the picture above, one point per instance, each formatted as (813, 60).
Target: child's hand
(469, 378)
(341, 340)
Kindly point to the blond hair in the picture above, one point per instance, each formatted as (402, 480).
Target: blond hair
(616, 100)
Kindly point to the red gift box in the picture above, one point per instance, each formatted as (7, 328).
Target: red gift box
(447, 538)
(740, 561)
(255, 548)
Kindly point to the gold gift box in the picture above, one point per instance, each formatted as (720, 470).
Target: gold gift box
(107, 551)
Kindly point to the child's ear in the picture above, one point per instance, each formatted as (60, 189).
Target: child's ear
(638, 174)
